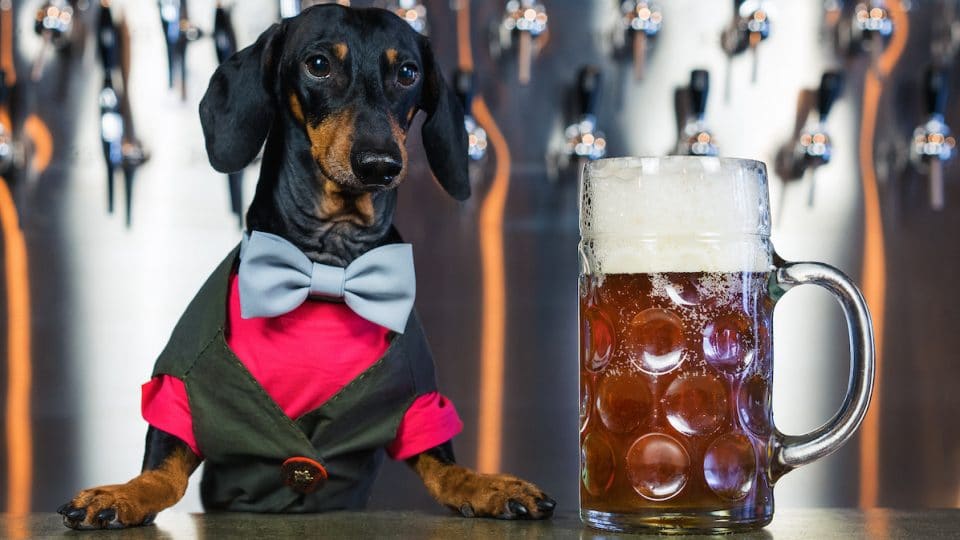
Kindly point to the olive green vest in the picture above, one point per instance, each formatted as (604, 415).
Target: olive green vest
(245, 436)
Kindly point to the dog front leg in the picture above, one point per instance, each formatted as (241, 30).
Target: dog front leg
(167, 466)
(479, 495)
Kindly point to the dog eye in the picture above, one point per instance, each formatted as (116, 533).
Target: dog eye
(408, 74)
(318, 66)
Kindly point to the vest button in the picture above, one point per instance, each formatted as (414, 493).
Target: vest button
(303, 474)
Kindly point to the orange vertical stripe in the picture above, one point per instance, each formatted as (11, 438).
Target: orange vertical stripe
(19, 438)
(6, 45)
(874, 278)
(873, 282)
(464, 50)
(493, 334)
(494, 318)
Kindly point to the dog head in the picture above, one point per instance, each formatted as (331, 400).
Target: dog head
(352, 80)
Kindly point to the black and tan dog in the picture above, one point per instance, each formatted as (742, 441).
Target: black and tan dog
(333, 93)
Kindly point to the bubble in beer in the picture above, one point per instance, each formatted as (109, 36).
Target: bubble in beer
(586, 399)
(696, 404)
(753, 404)
(658, 466)
(730, 466)
(654, 341)
(728, 343)
(623, 401)
(600, 339)
(596, 464)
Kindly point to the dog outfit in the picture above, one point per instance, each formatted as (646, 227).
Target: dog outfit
(268, 401)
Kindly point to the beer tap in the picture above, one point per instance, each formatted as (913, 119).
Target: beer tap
(412, 11)
(8, 149)
(121, 148)
(750, 26)
(813, 148)
(932, 142)
(170, 19)
(111, 120)
(871, 28)
(832, 19)
(225, 43)
(695, 138)
(224, 37)
(641, 22)
(13, 149)
(108, 40)
(16, 142)
(54, 24)
(528, 20)
(583, 140)
(111, 135)
(178, 32)
(463, 85)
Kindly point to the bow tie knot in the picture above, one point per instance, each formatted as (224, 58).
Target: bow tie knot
(328, 280)
(275, 277)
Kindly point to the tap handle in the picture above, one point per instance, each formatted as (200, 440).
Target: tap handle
(699, 89)
(107, 38)
(463, 84)
(935, 91)
(831, 86)
(588, 89)
(224, 37)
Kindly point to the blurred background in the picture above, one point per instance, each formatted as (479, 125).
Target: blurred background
(847, 102)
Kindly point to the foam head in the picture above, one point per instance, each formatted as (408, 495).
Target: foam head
(675, 214)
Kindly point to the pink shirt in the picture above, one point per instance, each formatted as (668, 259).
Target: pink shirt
(301, 378)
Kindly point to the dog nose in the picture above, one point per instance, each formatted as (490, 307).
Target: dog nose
(375, 168)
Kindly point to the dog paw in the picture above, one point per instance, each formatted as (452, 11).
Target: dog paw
(108, 507)
(506, 497)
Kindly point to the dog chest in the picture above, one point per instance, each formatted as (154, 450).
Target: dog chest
(244, 435)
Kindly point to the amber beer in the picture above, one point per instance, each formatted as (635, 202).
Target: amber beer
(677, 291)
(674, 391)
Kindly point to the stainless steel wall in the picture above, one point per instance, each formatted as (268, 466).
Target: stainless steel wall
(104, 298)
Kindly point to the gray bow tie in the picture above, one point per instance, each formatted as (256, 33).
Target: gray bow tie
(276, 277)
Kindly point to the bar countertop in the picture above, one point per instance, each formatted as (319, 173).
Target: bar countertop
(803, 524)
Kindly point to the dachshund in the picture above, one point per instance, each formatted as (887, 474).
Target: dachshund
(332, 93)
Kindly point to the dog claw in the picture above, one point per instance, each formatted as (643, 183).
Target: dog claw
(546, 505)
(72, 517)
(466, 510)
(517, 508)
(107, 515)
(70, 514)
(149, 519)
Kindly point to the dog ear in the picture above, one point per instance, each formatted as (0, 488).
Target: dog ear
(239, 105)
(444, 136)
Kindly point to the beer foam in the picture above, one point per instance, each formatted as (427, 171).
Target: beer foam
(674, 214)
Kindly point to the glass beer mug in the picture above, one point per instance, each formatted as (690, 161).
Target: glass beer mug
(678, 283)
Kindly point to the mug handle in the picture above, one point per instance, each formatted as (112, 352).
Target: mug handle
(792, 451)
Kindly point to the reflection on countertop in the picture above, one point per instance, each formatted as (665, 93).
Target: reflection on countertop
(822, 524)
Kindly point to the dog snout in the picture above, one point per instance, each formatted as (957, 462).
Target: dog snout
(376, 167)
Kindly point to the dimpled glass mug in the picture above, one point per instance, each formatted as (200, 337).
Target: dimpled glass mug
(678, 283)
